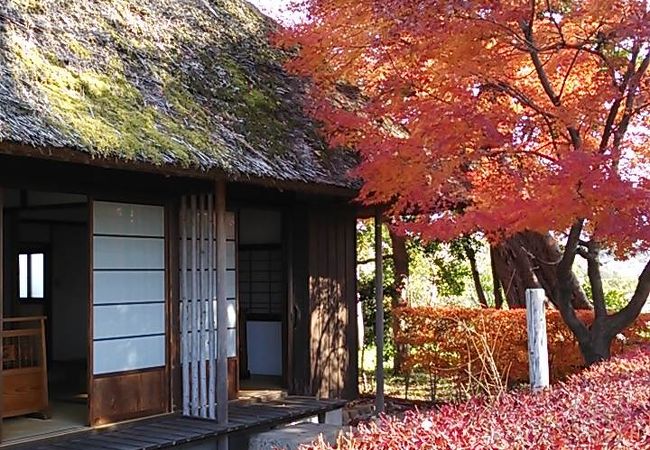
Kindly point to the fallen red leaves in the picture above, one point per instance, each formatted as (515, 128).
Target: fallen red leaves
(604, 407)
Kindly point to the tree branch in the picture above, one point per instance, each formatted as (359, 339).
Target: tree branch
(595, 279)
(539, 67)
(564, 292)
(568, 72)
(621, 129)
(361, 262)
(503, 87)
(558, 27)
(546, 83)
(566, 263)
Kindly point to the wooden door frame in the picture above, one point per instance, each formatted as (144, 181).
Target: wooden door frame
(285, 246)
(91, 301)
(290, 318)
(2, 288)
(172, 279)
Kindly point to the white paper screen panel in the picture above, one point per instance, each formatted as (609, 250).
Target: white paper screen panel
(264, 347)
(124, 253)
(128, 354)
(120, 321)
(232, 343)
(232, 313)
(231, 282)
(230, 254)
(128, 287)
(231, 225)
(128, 220)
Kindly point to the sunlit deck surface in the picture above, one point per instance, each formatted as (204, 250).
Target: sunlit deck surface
(172, 430)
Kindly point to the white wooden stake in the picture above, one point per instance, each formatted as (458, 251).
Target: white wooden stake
(537, 343)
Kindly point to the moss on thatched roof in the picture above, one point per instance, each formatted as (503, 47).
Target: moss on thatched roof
(190, 83)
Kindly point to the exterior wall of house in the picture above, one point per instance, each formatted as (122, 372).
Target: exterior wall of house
(127, 295)
(319, 241)
(324, 302)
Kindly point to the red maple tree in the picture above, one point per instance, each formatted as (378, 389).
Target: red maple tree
(498, 117)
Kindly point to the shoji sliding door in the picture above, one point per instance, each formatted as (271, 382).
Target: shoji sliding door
(198, 310)
(128, 367)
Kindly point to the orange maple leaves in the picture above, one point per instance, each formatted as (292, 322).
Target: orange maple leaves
(491, 116)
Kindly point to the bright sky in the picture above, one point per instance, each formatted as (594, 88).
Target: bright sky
(277, 10)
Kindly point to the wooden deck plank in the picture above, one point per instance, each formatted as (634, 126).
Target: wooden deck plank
(190, 431)
(91, 444)
(165, 439)
(203, 424)
(118, 438)
(171, 437)
(171, 430)
(74, 446)
(106, 443)
(159, 441)
(177, 433)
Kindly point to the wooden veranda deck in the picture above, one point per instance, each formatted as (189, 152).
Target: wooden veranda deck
(172, 430)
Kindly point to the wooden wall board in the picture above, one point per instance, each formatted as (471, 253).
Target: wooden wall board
(130, 395)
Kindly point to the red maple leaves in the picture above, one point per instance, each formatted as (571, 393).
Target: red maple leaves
(604, 407)
(491, 116)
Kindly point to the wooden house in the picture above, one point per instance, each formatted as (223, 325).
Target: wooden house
(172, 225)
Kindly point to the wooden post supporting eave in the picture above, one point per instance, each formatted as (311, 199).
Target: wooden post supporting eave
(379, 315)
(222, 310)
(2, 232)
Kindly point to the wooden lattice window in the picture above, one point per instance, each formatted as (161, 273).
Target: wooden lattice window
(261, 277)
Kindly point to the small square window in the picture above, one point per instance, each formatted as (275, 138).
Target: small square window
(31, 276)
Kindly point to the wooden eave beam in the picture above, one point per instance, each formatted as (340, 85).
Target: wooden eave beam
(79, 157)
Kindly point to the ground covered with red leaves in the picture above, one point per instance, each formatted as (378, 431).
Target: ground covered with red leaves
(604, 407)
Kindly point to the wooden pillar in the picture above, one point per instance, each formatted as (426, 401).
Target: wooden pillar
(211, 286)
(2, 287)
(379, 315)
(222, 310)
(537, 347)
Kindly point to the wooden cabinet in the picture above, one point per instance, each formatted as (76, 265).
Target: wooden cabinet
(24, 367)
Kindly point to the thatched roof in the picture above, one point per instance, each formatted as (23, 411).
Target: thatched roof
(189, 83)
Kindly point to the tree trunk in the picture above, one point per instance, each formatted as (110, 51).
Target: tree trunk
(496, 282)
(595, 345)
(529, 260)
(471, 257)
(595, 341)
(400, 299)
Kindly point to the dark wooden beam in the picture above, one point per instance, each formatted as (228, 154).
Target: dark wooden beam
(222, 311)
(173, 305)
(379, 318)
(68, 155)
(2, 231)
